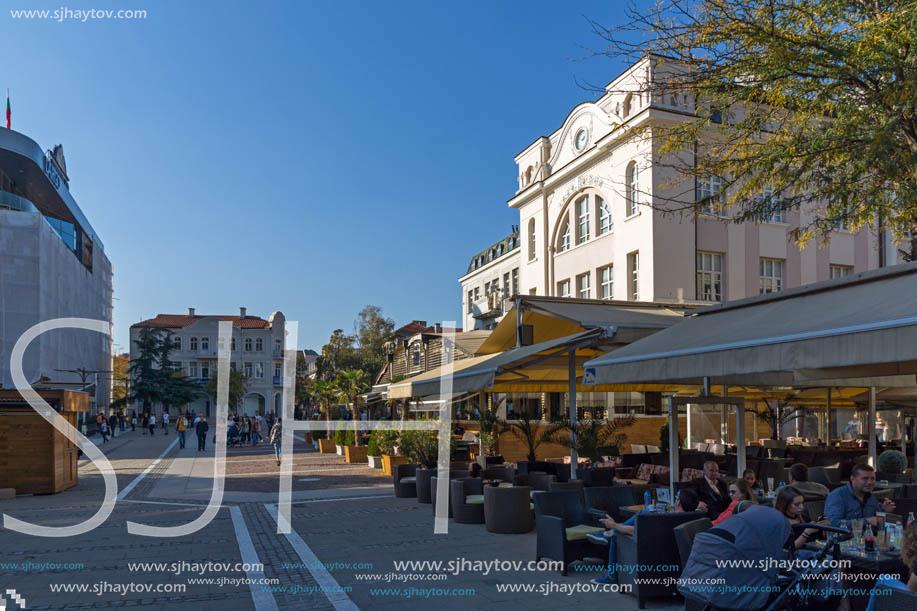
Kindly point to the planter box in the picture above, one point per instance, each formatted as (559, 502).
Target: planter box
(355, 454)
(389, 461)
(340, 450)
(326, 446)
(374, 461)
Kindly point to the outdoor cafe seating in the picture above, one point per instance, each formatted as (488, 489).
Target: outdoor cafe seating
(562, 523)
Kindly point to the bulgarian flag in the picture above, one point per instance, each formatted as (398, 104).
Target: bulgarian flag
(8, 111)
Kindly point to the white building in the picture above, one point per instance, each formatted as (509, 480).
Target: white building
(52, 265)
(256, 350)
(590, 204)
(491, 279)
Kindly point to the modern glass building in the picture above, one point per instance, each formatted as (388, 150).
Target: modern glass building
(52, 265)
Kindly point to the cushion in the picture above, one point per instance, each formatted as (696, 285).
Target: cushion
(505, 485)
(408, 480)
(581, 530)
(644, 471)
(687, 474)
(474, 499)
(660, 469)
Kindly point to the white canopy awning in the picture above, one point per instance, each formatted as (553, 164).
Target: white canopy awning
(861, 328)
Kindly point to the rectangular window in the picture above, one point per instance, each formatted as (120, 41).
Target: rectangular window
(771, 275)
(606, 280)
(205, 371)
(532, 240)
(248, 344)
(583, 290)
(839, 271)
(278, 371)
(477, 293)
(506, 292)
(633, 266)
(205, 343)
(771, 203)
(470, 302)
(565, 236)
(709, 276)
(259, 370)
(248, 370)
(709, 191)
(193, 344)
(563, 288)
(515, 285)
(259, 345)
(176, 342)
(233, 343)
(192, 369)
(582, 220)
(175, 365)
(604, 212)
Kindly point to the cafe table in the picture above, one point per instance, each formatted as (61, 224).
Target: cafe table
(867, 566)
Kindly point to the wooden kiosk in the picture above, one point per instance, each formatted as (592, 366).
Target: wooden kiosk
(35, 458)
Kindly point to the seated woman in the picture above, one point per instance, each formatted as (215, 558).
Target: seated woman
(790, 503)
(909, 557)
(739, 491)
(752, 479)
(687, 501)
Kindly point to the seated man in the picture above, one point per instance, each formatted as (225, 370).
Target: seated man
(687, 501)
(855, 500)
(799, 479)
(711, 490)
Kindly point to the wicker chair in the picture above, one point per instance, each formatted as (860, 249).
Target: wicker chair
(423, 484)
(405, 480)
(508, 510)
(561, 521)
(892, 599)
(541, 481)
(467, 500)
(433, 482)
(684, 537)
(577, 485)
(505, 474)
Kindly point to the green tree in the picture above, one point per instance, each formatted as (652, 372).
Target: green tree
(373, 332)
(326, 394)
(238, 386)
(339, 354)
(596, 438)
(153, 379)
(793, 103)
(352, 383)
(531, 432)
(121, 379)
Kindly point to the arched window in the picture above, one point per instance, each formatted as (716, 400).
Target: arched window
(603, 212)
(564, 243)
(531, 239)
(628, 102)
(633, 188)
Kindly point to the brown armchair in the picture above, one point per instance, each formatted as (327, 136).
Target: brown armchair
(508, 510)
(405, 480)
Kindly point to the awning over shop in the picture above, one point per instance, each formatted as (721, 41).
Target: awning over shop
(858, 331)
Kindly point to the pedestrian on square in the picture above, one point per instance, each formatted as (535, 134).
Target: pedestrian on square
(112, 425)
(133, 422)
(121, 420)
(256, 429)
(152, 423)
(246, 430)
(103, 429)
(181, 425)
(277, 438)
(201, 429)
(165, 423)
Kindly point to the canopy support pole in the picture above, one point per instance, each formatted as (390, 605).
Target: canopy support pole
(574, 459)
(903, 428)
(828, 409)
(871, 427)
(740, 440)
(518, 322)
(673, 446)
(914, 441)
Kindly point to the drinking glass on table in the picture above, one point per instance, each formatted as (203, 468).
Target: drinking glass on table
(858, 531)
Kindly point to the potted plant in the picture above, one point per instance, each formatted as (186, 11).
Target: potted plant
(387, 441)
(596, 439)
(342, 439)
(891, 463)
(325, 445)
(532, 433)
(422, 447)
(664, 438)
(373, 454)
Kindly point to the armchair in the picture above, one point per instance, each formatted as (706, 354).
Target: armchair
(405, 480)
(507, 510)
(657, 548)
(467, 500)
(560, 520)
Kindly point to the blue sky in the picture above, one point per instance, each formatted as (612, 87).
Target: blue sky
(311, 157)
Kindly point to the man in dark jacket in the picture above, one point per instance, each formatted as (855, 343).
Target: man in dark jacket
(201, 429)
(711, 490)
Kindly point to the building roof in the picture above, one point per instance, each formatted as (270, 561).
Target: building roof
(494, 252)
(176, 321)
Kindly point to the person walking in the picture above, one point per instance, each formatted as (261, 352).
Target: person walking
(277, 438)
(152, 423)
(256, 429)
(133, 422)
(201, 429)
(112, 425)
(121, 421)
(181, 425)
(103, 429)
(246, 430)
(165, 422)
(144, 423)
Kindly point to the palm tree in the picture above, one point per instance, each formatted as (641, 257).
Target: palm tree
(531, 432)
(596, 438)
(352, 384)
(326, 392)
